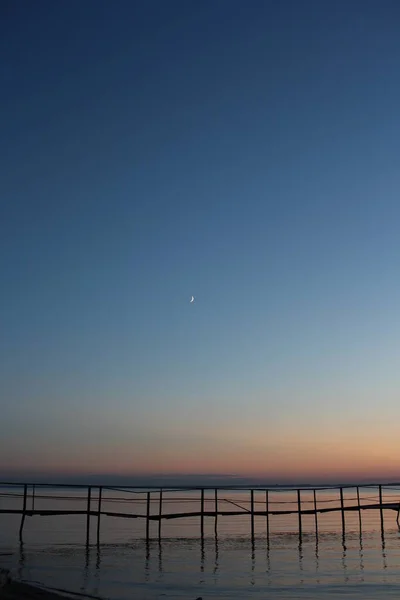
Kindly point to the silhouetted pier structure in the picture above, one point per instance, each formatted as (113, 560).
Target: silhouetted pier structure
(95, 498)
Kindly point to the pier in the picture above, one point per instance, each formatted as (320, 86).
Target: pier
(152, 504)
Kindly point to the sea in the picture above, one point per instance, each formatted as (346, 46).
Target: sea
(361, 562)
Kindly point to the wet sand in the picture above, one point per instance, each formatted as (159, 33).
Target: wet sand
(16, 590)
(23, 591)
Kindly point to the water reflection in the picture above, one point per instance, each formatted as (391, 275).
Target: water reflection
(384, 560)
(334, 556)
(98, 558)
(253, 561)
(301, 556)
(268, 560)
(361, 554)
(21, 560)
(344, 556)
(160, 557)
(96, 584)
(202, 558)
(383, 538)
(317, 558)
(147, 561)
(216, 563)
(86, 569)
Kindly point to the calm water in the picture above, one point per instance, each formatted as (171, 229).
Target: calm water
(359, 565)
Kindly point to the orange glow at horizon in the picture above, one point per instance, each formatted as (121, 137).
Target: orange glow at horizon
(354, 457)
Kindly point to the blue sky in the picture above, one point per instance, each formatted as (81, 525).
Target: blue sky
(246, 153)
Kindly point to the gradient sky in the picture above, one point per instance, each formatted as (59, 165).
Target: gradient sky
(244, 152)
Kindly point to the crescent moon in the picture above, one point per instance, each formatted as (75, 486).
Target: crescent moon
(192, 299)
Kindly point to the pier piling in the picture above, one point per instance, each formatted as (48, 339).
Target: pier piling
(299, 515)
(342, 512)
(160, 514)
(216, 512)
(21, 527)
(267, 512)
(148, 516)
(88, 515)
(202, 513)
(315, 513)
(252, 513)
(359, 508)
(98, 515)
(381, 508)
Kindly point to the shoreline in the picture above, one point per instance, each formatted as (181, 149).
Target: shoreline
(11, 589)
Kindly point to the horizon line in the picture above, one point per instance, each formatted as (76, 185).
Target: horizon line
(243, 486)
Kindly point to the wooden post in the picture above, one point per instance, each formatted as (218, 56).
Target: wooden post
(98, 515)
(33, 497)
(88, 515)
(147, 516)
(23, 512)
(202, 513)
(342, 511)
(299, 513)
(252, 513)
(359, 506)
(216, 512)
(159, 514)
(267, 511)
(380, 508)
(315, 513)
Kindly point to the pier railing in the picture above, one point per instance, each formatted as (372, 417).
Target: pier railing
(152, 504)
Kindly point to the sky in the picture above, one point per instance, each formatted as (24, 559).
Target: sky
(246, 153)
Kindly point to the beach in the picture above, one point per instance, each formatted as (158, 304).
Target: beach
(16, 590)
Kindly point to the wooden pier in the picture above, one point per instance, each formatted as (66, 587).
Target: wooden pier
(216, 505)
